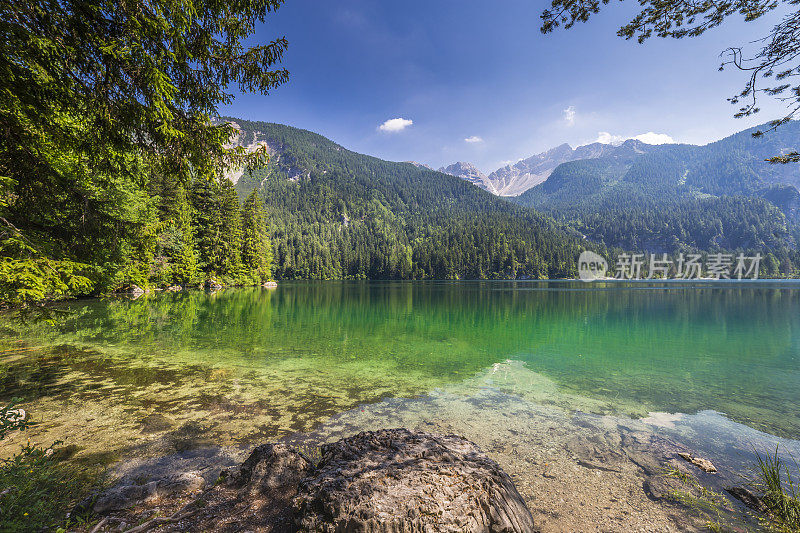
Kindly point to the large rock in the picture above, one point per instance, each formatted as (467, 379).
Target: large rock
(270, 469)
(390, 481)
(399, 481)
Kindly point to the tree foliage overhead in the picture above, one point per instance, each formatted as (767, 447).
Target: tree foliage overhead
(772, 70)
(143, 76)
(664, 18)
(96, 98)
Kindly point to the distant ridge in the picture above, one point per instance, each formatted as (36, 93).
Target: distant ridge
(468, 172)
(337, 214)
(513, 180)
(419, 165)
(667, 197)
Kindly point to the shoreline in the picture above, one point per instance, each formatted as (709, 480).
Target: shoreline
(576, 472)
(153, 379)
(574, 469)
(274, 284)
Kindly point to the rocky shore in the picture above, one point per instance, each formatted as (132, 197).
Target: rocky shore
(574, 471)
(166, 445)
(399, 480)
(392, 480)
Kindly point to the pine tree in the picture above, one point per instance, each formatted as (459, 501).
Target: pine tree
(256, 249)
(185, 269)
(207, 224)
(96, 98)
(230, 232)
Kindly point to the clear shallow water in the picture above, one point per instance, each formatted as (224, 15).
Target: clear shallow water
(240, 366)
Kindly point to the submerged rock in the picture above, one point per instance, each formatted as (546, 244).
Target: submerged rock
(124, 496)
(703, 464)
(398, 480)
(747, 497)
(155, 422)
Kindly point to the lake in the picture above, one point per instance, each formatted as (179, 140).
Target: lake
(714, 366)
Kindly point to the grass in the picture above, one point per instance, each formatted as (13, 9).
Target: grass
(38, 486)
(775, 483)
(780, 493)
(705, 503)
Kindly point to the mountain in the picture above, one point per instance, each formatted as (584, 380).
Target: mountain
(468, 172)
(734, 166)
(419, 165)
(662, 198)
(246, 140)
(337, 214)
(513, 180)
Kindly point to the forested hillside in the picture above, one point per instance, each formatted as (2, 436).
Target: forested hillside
(109, 154)
(334, 213)
(722, 196)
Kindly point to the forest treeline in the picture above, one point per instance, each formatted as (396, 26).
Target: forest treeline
(110, 151)
(314, 210)
(194, 234)
(336, 214)
(677, 198)
(205, 235)
(112, 160)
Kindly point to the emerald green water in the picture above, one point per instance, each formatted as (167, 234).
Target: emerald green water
(242, 365)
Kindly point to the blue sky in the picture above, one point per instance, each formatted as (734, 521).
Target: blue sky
(482, 71)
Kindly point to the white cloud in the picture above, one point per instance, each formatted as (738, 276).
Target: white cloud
(395, 124)
(655, 138)
(647, 138)
(608, 138)
(474, 139)
(569, 115)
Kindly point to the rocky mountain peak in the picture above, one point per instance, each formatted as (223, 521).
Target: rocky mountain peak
(419, 165)
(462, 169)
(563, 150)
(516, 178)
(469, 172)
(513, 180)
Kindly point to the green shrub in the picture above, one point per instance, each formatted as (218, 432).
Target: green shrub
(37, 489)
(37, 486)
